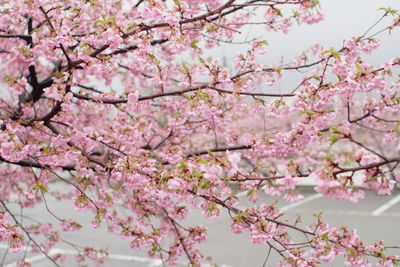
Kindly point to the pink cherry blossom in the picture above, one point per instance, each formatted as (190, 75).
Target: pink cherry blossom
(118, 108)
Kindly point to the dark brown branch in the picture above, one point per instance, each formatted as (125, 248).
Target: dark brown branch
(365, 147)
(222, 149)
(138, 3)
(47, 18)
(385, 120)
(340, 171)
(180, 238)
(54, 111)
(134, 47)
(24, 37)
(144, 27)
(89, 88)
(250, 93)
(176, 92)
(368, 166)
(26, 163)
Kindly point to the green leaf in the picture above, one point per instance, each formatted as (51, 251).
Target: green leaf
(131, 26)
(333, 53)
(210, 153)
(211, 28)
(40, 187)
(182, 165)
(154, 59)
(334, 138)
(318, 215)
(197, 174)
(278, 12)
(193, 44)
(9, 79)
(92, 3)
(352, 252)
(334, 130)
(74, 149)
(202, 161)
(251, 192)
(359, 68)
(316, 77)
(107, 198)
(202, 61)
(306, 111)
(212, 207)
(325, 237)
(389, 10)
(205, 184)
(99, 215)
(238, 217)
(278, 103)
(314, 3)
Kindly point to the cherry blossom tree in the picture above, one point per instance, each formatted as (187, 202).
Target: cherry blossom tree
(118, 101)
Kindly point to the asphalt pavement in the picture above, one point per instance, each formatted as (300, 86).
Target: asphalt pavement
(375, 217)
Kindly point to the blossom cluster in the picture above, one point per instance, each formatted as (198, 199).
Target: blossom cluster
(119, 103)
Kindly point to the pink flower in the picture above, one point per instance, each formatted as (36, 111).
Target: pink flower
(293, 197)
(312, 18)
(70, 225)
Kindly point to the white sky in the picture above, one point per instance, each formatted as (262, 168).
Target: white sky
(343, 19)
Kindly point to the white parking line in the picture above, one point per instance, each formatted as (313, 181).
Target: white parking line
(386, 206)
(353, 212)
(301, 202)
(290, 206)
(54, 251)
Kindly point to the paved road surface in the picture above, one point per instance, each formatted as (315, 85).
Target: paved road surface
(375, 217)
